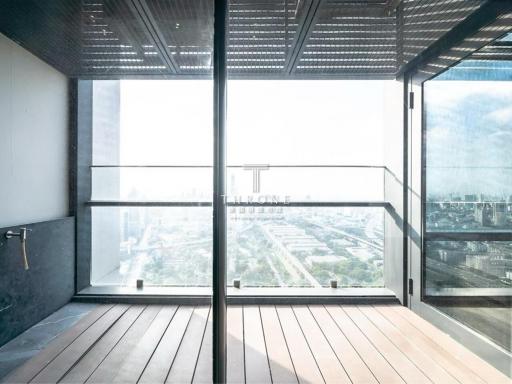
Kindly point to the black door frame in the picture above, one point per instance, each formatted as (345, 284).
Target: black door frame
(219, 303)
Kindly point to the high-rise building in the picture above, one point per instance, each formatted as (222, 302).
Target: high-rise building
(483, 214)
(499, 214)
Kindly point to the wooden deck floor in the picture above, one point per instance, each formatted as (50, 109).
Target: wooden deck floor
(282, 344)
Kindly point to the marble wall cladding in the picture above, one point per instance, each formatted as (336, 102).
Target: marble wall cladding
(27, 297)
(32, 341)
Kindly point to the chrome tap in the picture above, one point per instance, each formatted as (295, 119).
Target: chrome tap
(22, 234)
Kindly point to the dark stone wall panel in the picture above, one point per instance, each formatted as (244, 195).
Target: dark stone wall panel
(27, 297)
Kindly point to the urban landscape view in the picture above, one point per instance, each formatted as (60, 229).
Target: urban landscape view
(267, 246)
(468, 184)
(469, 264)
(153, 142)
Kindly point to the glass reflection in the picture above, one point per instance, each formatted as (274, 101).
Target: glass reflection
(468, 116)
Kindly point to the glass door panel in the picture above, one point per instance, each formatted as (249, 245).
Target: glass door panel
(467, 256)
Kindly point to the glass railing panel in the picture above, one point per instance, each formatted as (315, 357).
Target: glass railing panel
(306, 246)
(307, 183)
(175, 184)
(275, 183)
(267, 246)
(164, 246)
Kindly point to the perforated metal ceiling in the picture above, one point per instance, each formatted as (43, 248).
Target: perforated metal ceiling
(477, 46)
(496, 50)
(349, 39)
(422, 22)
(267, 38)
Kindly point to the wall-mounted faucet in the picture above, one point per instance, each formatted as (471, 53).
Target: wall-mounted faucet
(22, 234)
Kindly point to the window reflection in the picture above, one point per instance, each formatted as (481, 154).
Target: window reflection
(468, 207)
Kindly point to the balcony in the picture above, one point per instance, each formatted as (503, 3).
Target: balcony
(304, 231)
(256, 191)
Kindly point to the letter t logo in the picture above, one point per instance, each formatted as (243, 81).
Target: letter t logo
(256, 169)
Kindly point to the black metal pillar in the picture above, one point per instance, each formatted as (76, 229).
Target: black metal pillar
(219, 305)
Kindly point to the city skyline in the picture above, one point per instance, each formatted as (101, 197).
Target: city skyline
(296, 247)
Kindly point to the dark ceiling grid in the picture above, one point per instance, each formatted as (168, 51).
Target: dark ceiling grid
(463, 50)
(384, 54)
(388, 49)
(425, 21)
(186, 26)
(415, 36)
(286, 21)
(360, 42)
(399, 35)
(391, 7)
(31, 26)
(197, 41)
(260, 36)
(122, 26)
(493, 19)
(153, 29)
(65, 46)
(374, 36)
(107, 44)
(67, 43)
(266, 39)
(309, 21)
(498, 50)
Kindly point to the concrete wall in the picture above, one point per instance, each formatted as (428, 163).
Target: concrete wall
(34, 188)
(34, 132)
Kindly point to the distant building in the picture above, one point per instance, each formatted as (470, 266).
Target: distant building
(477, 247)
(452, 257)
(496, 265)
(479, 262)
(500, 214)
(483, 214)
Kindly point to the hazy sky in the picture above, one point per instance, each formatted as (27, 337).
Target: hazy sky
(269, 122)
(469, 132)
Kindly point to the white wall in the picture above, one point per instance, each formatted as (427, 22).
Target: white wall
(33, 138)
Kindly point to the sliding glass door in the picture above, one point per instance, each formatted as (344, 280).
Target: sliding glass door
(462, 270)
(468, 211)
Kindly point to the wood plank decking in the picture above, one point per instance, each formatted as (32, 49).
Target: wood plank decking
(279, 344)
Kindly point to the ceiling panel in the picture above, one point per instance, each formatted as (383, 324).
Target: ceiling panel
(262, 35)
(266, 38)
(116, 42)
(351, 40)
(422, 22)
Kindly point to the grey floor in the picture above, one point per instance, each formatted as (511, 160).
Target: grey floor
(33, 340)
